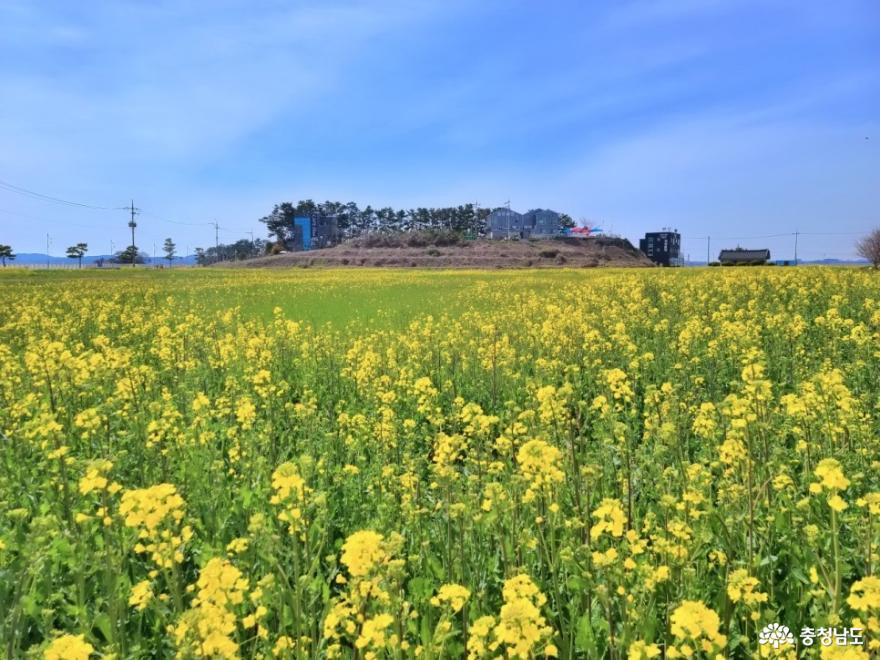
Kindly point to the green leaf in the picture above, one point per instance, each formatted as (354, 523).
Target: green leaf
(436, 567)
(420, 588)
(102, 623)
(584, 639)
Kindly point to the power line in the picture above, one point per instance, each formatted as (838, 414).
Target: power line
(52, 221)
(176, 222)
(236, 231)
(9, 187)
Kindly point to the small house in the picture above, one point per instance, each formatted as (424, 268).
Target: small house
(744, 257)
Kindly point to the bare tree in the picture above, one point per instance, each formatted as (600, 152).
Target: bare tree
(869, 247)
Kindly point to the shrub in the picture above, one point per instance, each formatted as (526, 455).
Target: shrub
(424, 238)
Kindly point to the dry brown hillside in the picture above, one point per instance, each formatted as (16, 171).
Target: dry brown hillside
(561, 252)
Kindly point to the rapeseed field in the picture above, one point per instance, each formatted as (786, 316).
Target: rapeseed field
(401, 464)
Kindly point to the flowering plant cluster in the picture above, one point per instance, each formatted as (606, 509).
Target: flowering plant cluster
(388, 464)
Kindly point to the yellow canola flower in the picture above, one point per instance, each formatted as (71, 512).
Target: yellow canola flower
(363, 551)
(609, 518)
(831, 475)
(94, 478)
(521, 628)
(156, 513)
(208, 628)
(373, 632)
(538, 463)
(454, 595)
(602, 559)
(864, 594)
(693, 622)
(69, 647)
(220, 583)
(640, 650)
(837, 503)
(479, 639)
(141, 595)
(742, 587)
(872, 501)
(835, 652)
(291, 493)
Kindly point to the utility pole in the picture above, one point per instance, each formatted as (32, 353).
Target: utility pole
(796, 232)
(216, 241)
(47, 250)
(133, 224)
(708, 249)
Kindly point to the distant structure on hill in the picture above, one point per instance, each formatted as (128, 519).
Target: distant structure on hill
(537, 223)
(744, 257)
(582, 232)
(663, 247)
(314, 232)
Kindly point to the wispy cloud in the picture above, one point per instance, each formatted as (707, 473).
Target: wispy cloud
(669, 111)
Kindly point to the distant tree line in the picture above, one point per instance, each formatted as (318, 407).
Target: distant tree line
(238, 251)
(353, 221)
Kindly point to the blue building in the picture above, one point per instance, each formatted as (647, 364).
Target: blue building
(314, 232)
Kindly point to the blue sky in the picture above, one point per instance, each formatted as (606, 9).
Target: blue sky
(733, 118)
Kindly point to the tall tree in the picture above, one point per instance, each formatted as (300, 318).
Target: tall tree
(130, 255)
(6, 253)
(170, 249)
(279, 223)
(78, 251)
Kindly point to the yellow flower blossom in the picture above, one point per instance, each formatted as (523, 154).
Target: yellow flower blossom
(69, 647)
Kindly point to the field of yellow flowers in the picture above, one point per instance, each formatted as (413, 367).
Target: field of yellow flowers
(370, 464)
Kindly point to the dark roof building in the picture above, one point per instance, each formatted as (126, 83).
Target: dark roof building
(743, 256)
(662, 247)
(537, 223)
(504, 223)
(543, 223)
